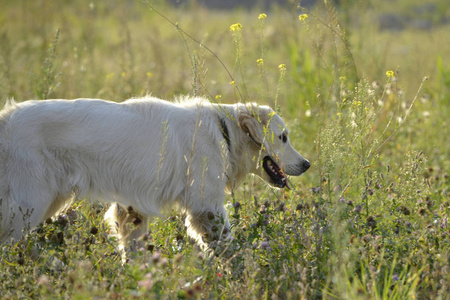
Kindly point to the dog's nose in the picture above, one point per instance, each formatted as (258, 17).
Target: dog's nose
(306, 165)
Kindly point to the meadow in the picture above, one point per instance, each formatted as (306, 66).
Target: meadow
(369, 107)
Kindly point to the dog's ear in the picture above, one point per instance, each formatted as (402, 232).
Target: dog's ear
(250, 123)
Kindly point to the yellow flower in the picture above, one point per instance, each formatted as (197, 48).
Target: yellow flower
(260, 62)
(232, 83)
(149, 74)
(218, 97)
(262, 16)
(302, 17)
(236, 27)
(282, 67)
(390, 74)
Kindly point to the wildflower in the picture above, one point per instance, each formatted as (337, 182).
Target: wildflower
(146, 282)
(395, 277)
(265, 245)
(233, 83)
(156, 257)
(94, 230)
(404, 210)
(44, 280)
(260, 62)
(390, 74)
(378, 185)
(210, 216)
(218, 97)
(62, 219)
(149, 74)
(236, 27)
(342, 200)
(302, 17)
(444, 223)
(366, 238)
(262, 16)
(282, 67)
(357, 209)
(262, 209)
(316, 190)
(371, 222)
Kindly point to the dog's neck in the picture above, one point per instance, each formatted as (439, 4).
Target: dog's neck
(225, 132)
(238, 163)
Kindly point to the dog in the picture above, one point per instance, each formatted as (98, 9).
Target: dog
(142, 156)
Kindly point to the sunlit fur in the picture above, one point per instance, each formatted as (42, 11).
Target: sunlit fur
(144, 154)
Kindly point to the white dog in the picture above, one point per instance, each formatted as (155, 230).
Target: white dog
(145, 154)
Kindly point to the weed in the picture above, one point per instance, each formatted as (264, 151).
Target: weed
(368, 220)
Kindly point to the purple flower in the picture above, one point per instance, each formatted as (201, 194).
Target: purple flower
(357, 208)
(264, 245)
(316, 190)
(378, 185)
(395, 277)
(146, 282)
(342, 200)
(444, 223)
(156, 257)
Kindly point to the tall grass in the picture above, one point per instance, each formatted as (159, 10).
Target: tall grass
(368, 220)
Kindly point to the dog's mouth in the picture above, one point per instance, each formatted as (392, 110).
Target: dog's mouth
(275, 173)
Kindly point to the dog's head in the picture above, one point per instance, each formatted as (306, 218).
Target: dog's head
(277, 157)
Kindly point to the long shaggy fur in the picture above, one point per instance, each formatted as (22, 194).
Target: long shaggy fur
(144, 155)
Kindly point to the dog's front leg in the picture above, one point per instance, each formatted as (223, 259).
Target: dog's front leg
(128, 226)
(208, 226)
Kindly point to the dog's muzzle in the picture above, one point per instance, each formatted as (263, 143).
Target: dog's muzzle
(276, 175)
(297, 169)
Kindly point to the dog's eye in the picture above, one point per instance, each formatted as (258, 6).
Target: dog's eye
(283, 137)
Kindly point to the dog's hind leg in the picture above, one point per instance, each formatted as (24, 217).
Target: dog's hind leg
(19, 218)
(127, 225)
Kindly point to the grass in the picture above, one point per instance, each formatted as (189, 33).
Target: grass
(369, 220)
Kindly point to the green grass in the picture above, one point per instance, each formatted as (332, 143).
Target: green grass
(369, 220)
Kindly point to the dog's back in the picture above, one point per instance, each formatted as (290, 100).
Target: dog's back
(52, 149)
(136, 152)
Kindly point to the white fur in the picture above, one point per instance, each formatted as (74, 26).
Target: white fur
(145, 154)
